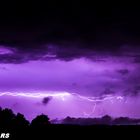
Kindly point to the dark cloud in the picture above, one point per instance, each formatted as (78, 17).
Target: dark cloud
(123, 71)
(134, 91)
(137, 59)
(108, 91)
(21, 55)
(63, 51)
(12, 58)
(46, 100)
(77, 33)
(44, 52)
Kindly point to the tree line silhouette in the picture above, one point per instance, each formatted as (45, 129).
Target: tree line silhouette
(10, 120)
(105, 120)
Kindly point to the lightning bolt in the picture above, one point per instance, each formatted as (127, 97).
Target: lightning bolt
(110, 98)
(92, 111)
(63, 95)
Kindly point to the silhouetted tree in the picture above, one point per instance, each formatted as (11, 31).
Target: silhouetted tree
(122, 121)
(106, 119)
(6, 117)
(40, 121)
(69, 120)
(20, 121)
(9, 120)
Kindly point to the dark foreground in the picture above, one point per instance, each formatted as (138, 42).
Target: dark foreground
(73, 131)
(15, 126)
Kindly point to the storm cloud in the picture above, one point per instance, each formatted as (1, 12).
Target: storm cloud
(46, 100)
(65, 52)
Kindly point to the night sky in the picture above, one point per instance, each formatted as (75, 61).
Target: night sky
(72, 59)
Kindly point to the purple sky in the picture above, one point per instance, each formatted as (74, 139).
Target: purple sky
(84, 84)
